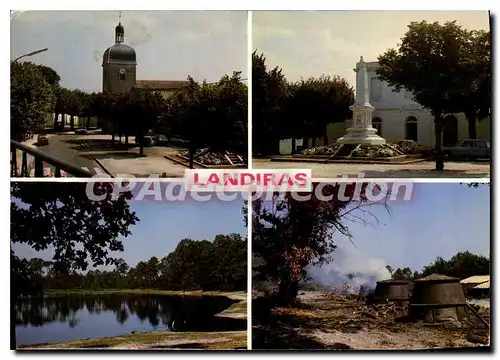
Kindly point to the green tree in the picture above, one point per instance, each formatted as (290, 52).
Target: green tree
(475, 68)
(402, 274)
(269, 94)
(426, 64)
(31, 100)
(317, 102)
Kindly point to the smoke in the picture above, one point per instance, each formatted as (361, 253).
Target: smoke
(350, 271)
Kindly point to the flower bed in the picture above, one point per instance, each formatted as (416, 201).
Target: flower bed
(321, 150)
(374, 151)
(408, 147)
(206, 157)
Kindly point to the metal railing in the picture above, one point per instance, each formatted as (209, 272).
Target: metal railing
(39, 159)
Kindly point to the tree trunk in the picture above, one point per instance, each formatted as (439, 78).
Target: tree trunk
(126, 140)
(191, 157)
(294, 144)
(325, 136)
(438, 134)
(471, 120)
(72, 123)
(288, 290)
(113, 137)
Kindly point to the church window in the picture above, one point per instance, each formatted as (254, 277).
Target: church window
(411, 128)
(122, 76)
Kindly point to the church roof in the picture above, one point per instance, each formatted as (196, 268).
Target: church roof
(120, 53)
(160, 84)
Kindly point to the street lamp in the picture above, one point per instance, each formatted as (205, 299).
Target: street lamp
(31, 54)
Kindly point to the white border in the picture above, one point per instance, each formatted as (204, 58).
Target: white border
(214, 5)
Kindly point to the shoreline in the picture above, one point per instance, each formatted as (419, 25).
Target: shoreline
(156, 340)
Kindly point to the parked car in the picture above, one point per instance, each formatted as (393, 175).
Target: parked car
(42, 140)
(148, 141)
(161, 139)
(81, 131)
(473, 148)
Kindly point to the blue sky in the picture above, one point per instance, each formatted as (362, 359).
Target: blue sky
(170, 45)
(313, 43)
(163, 224)
(440, 220)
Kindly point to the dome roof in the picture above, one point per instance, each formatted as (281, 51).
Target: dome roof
(119, 53)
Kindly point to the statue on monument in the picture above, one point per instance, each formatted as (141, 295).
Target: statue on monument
(361, 131)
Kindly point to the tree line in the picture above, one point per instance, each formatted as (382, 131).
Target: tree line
(462, 265)
(204, 114)
(447, 69)
(193, 265)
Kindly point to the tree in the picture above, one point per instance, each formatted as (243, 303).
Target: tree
(317, 102)
(81, 232)
(31, 100)
(462, 265)
(402, 274)
(291, 233)
(426, 65)
(210, 115)
(269, 93)
(51, 76)
(475, 69)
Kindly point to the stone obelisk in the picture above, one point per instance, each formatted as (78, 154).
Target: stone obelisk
(361, 131)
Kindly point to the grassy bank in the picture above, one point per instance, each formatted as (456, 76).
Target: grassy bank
(224, 340)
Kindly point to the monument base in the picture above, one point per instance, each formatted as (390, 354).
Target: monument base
(363, 136)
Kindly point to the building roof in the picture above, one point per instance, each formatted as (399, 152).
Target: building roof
(485, 285)
(476, 279)
(160, 84)
(119, 53)
(437, 277)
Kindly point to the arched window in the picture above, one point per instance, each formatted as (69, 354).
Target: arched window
(411, 128)
(377, 124)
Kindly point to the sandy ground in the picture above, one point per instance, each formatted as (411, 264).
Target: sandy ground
(330, 321)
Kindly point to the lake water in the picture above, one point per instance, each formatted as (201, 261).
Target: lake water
(66, 318)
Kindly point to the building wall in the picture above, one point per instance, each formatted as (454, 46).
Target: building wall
(112, 81)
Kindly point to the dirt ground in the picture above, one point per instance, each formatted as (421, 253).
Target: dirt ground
(323, 320)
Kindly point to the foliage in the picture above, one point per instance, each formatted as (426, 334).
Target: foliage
(316, 102)
(294, 110)
(290, 233)
(462, 265)
(437, 65)
(193, 265)
(79, 230)
(31, 100)
(210, 115)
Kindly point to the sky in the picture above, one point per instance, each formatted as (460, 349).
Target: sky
(313, 43)
(441, 219)
(170, 45)
(164, 224)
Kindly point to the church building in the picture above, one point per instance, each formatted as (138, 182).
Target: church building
(119, 70)
(397, 117)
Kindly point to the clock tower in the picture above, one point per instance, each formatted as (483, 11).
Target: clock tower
(119, 64)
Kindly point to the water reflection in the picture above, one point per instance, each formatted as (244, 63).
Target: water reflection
(78, 317)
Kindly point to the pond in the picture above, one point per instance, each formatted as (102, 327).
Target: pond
(66, 318)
